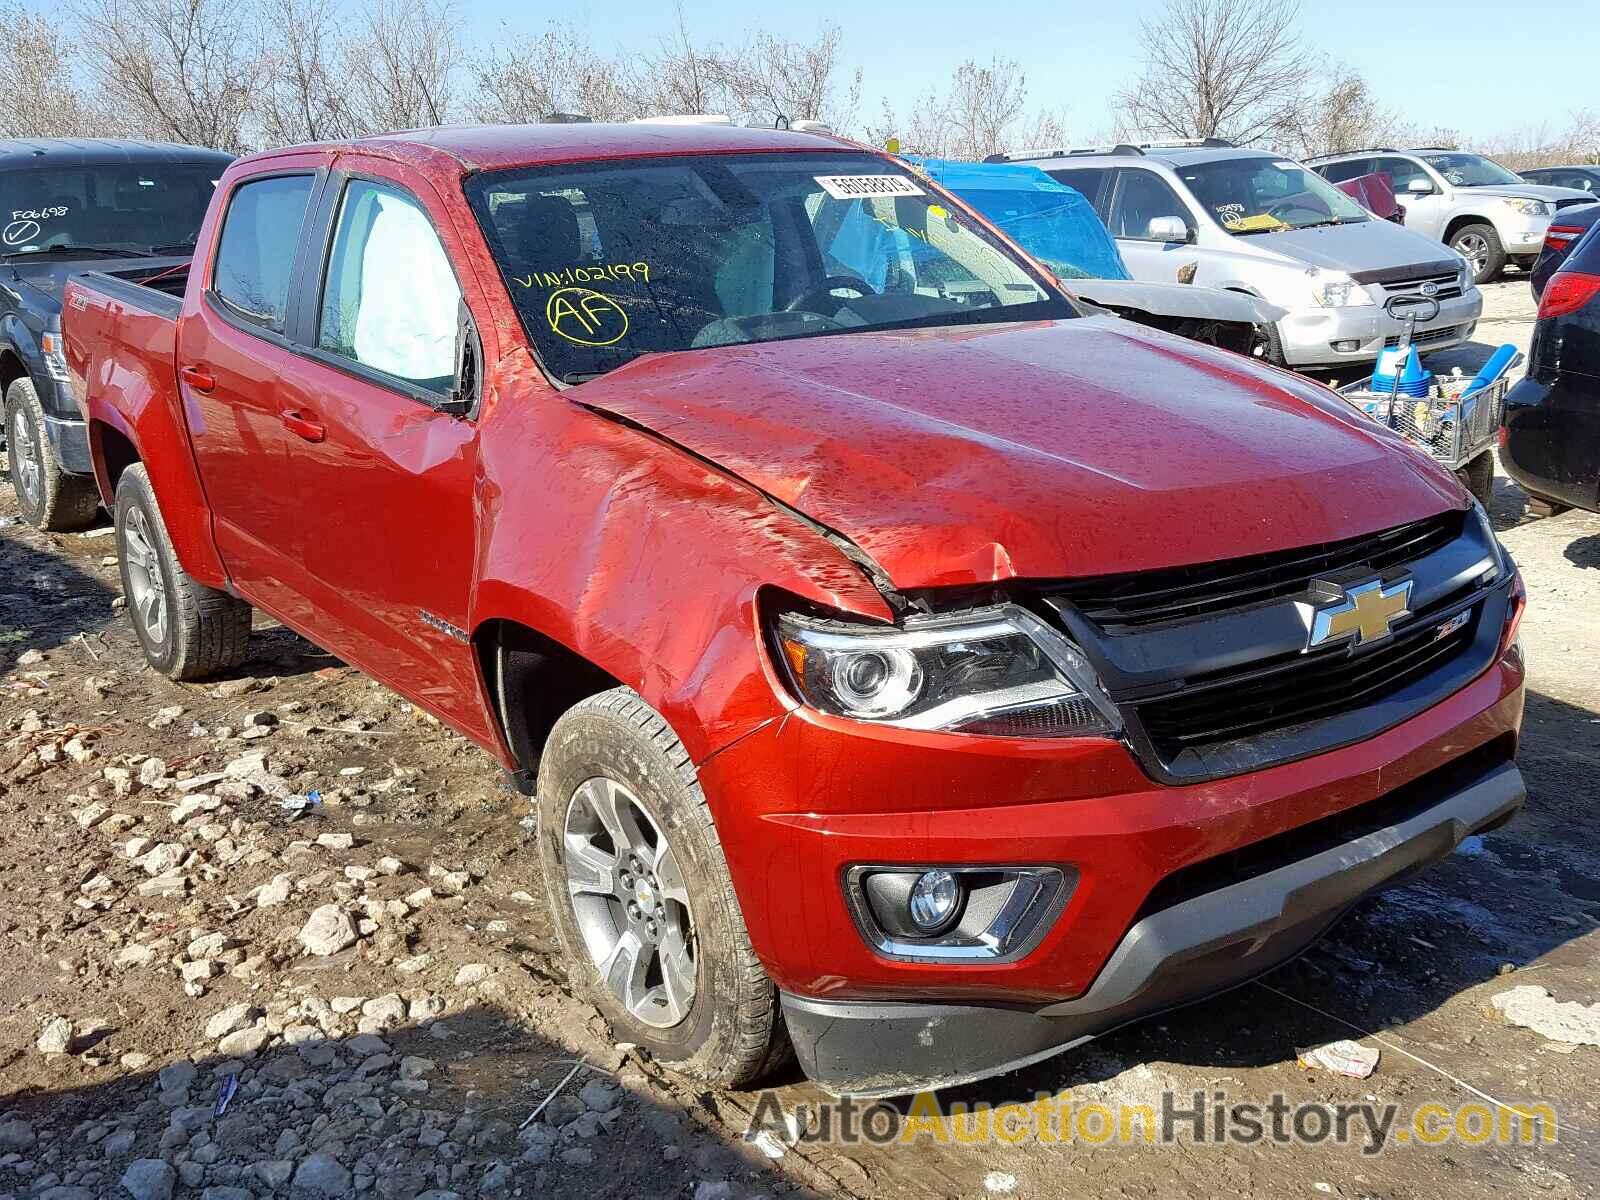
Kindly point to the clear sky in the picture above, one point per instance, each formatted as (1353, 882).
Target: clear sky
(1471, 65)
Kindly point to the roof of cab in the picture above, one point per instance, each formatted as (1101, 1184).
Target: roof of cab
(495, 147)
(99, 152)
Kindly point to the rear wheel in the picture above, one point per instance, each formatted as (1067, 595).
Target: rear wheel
(642, 898)
(1481, 246)
(187, 630)
(51, 499)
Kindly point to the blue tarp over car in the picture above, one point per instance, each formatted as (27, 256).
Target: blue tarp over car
(1049, 220)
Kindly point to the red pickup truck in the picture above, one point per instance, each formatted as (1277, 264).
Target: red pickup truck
(908, 666)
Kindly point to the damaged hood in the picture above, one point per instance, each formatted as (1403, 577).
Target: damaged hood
(1041, 450)
(1176, 300)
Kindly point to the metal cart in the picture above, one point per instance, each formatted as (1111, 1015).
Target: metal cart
(1459, 431)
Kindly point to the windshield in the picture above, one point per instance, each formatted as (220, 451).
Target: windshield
(1469, 170)
(607, 261)
(131, 207)
(1264, 195)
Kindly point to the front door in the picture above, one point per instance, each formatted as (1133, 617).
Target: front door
(1142, 198)
(386, 539)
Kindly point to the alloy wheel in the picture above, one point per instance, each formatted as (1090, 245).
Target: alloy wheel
(25, 465)
(630, 901)
(1476, 248)
(147, 587)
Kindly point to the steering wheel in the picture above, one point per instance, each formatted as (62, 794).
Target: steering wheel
(1292, 203)
(822, 292)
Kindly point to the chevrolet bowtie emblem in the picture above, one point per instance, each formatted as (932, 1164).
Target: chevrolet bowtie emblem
(1366, 611)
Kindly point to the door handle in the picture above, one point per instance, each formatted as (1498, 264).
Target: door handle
(199, 380)
(303, 425)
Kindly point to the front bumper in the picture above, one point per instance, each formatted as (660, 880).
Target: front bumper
(1193, 948)
(1525, 238)
(1311, 336)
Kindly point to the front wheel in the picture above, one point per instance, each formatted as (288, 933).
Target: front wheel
(187, 630)
(1482, 248)
(50, 498)
(642, 898)
(1478, 477)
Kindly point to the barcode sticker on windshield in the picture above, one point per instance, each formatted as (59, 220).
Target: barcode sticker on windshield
(867, 187)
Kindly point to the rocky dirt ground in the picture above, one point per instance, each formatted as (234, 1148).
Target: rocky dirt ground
(280, 935)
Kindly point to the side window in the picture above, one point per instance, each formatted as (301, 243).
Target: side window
(1340, 171)
(1584, 183)
(256, 252)
(1401, 171)
(390, 300)
(1085, 180)
(1141, 198)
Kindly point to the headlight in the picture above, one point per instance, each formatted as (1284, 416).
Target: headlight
(1528, 208)
(997, 670)
(55, 359)
(1334, 289)
(1495, 548)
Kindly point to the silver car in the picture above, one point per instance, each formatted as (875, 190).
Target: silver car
(1250, 221)
(1469, 202)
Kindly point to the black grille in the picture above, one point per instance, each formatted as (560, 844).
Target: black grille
(1305, 689)
(1122, 601)
(1426, 337)
(1571, 202)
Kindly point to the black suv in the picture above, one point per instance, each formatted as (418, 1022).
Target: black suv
(69, 205)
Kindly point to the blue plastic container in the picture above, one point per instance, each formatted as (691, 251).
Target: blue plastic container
(1414, 381)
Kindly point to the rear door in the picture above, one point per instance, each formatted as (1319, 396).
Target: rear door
(386, 537)
(234, 354)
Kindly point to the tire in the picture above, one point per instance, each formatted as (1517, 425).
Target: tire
(1269, 346)
(187, 630)
(50, 498)
(1478, 477)
(731, 1031)
(1483, 249)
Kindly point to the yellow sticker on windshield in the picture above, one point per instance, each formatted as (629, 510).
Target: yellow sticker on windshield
(585, 317)
(1259, 221)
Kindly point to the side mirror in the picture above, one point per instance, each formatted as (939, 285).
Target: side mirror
(1419, 186)
(1169, 229)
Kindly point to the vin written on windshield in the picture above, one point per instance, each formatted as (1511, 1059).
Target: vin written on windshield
(607, 261)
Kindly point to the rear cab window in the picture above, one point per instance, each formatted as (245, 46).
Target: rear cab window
(611, 260)
(140, 208)
(255, 255)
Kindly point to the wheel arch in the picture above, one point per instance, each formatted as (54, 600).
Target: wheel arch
(1461, 220)
(531, 679)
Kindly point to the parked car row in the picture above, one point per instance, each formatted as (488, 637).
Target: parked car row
(911, 664)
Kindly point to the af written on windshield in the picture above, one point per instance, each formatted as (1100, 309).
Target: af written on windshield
(611, 260)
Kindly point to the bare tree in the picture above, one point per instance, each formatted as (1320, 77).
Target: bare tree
(302, 96)
(984, 113)
(525, 79)
(1574, 139)
(37, 95)
(772, 78)
(1219, 68)
(1343, 115)
(181, 69)
(401, 65)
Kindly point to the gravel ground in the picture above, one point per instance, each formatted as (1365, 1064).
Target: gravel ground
(371, 984)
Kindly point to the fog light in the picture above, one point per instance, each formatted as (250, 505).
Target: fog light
(933, 900)
(1347, 347)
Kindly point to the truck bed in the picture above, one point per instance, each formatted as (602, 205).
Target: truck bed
(156, 287)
